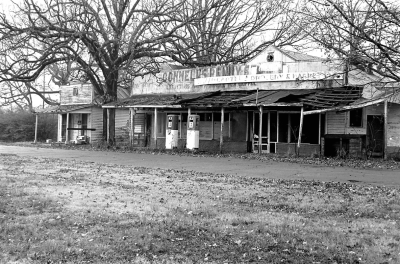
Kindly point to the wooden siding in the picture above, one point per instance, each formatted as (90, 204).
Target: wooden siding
(393, 132)
(96, 121)
(84, 94)
(122, 125)
(336, 123)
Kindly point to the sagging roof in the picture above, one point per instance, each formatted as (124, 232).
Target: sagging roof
(61, 109)
(274, 97)
(332, 97)
(392, 96)
(153, 100)
(311, 99)
(216, 99)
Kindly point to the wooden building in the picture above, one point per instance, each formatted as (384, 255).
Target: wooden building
(280, 102)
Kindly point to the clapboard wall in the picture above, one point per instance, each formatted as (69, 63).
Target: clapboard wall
(97, 123)
(122, 126)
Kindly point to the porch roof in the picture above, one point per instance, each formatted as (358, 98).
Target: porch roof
(217, 99)
(153, 100)
(392, 96)
(274, 98)
(61, 109)
(332, 97)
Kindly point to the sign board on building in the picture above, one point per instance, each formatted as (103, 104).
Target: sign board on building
(277, 77)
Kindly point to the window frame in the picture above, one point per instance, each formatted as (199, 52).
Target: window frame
(360, 122)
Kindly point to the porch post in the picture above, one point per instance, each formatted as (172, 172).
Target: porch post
(36, 126)
(189, 111)
(221, 137)
(260, 130)
(132, 127)
(319, 129)
(253, 132)
(66, 130)
(269, 132)
(385, 127)
(300, 130)
(155, 127)
(111, 130)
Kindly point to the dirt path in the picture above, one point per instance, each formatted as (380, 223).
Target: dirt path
(233, 166)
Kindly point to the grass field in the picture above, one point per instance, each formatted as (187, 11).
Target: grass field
(54, 211)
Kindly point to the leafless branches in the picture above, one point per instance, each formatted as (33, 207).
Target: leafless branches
(362, 32)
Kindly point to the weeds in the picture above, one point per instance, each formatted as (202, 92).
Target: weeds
(77, 213)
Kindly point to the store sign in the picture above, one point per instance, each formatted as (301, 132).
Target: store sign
(188, 75)
(277, 77)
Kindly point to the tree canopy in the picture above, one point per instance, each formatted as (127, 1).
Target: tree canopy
(364, 33)
(109, 42)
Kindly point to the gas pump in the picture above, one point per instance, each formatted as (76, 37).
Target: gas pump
(193, 132)
(171, 140)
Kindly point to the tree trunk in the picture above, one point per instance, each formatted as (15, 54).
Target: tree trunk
(112, 86)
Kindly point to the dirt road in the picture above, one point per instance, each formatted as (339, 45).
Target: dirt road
(232, 166)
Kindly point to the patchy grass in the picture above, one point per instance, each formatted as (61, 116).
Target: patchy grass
(393, 162)
(54, 211)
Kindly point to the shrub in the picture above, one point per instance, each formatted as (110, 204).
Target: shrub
(20, 126)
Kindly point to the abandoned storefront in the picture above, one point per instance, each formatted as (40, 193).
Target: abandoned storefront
(280, 102)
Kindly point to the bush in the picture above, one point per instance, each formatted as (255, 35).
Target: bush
(20, 126)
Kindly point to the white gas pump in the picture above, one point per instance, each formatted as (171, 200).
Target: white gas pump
(171, 140)
(193, 132)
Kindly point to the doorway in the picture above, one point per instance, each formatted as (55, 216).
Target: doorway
(375, 134)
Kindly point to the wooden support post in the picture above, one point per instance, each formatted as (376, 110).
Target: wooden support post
(260, 130)
(36, 127)
(66, 130)
(252, 130)
(300, 130)
(133, 112)
(155, 127)
(247, 126)
(189, 111)
(111, 129)
(269, 132)
(319, 129)
(221, 137)
(385, 128)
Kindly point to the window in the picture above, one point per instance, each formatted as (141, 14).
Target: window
(356, 117)
(270, 57)
(75, 92)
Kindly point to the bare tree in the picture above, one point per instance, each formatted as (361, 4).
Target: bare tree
(110, 42)
(236, 31)
(364, 33)
(20, 94)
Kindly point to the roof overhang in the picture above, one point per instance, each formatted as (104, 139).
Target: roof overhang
(392, 98)
(142, 106)
(62, 109)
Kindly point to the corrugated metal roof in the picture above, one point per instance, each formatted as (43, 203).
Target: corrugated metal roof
(216, 99)
(390, 96)
(152, 100)
(61, 109)
(270, 97)
(332, 97)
